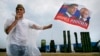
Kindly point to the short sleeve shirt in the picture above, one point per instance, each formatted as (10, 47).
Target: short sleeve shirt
(19, 34)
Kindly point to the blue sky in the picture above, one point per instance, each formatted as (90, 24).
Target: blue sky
(43, 13)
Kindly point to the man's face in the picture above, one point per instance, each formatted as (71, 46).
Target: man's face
(85, 14)
(20, 12)
(72, 9)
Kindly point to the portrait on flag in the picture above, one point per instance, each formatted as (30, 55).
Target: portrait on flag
(70, 13)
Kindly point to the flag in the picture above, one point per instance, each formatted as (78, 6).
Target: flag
(80, 17)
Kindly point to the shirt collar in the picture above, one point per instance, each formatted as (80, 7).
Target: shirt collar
(84, 19)
(69, 15)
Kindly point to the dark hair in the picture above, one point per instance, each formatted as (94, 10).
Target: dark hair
(20, 6)
(71, 5)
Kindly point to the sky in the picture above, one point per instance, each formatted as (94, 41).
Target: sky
(43, 13)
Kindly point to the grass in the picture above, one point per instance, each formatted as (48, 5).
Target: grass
(63, 54)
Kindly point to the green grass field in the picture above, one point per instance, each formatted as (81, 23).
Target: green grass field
(63, 54)
(2, 54)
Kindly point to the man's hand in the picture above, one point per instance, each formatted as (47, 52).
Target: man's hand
(17, 16)
(47, 27)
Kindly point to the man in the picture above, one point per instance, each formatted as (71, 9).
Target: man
(71, 10)
(17, 30)
(84, 15)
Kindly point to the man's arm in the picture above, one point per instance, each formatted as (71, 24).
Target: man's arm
(10, 27)
(42, 28)
(47, 27)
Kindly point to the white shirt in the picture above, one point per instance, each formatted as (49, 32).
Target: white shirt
(84, 19)
(69, 15)
(20, 33)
